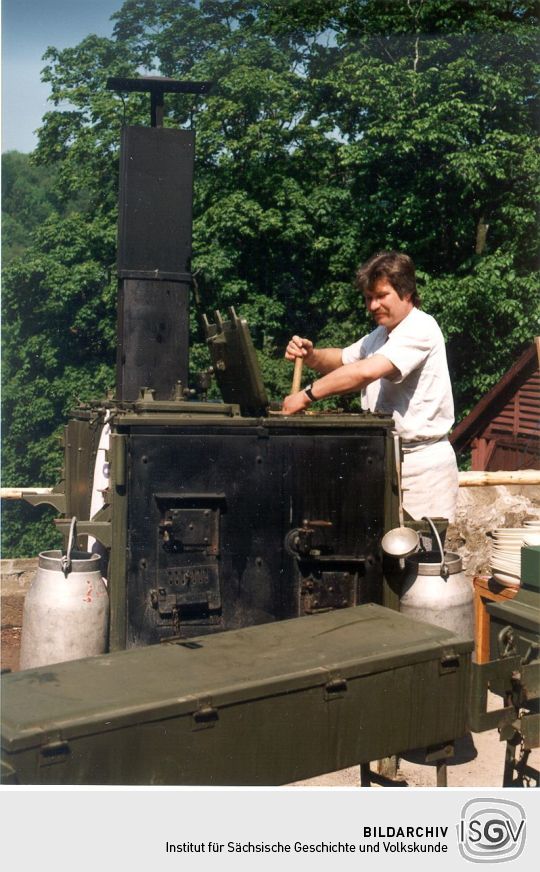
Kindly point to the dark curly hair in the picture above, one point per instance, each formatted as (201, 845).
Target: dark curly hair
(392, 265)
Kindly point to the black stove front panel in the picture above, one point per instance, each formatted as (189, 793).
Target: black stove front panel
(233, 526)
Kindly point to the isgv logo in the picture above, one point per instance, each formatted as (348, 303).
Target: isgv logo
(491, 830)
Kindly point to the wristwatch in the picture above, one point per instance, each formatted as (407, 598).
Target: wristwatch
(308, 390)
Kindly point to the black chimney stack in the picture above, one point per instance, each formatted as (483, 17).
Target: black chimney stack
(154, 246)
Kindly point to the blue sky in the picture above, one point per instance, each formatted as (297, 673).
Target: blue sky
(28, 28)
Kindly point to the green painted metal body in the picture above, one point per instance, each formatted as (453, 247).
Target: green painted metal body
(530, 567)
(513, 672)
(259, 706)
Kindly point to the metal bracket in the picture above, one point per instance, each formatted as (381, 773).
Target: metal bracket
(449, 662)
(54, 750)
(439, 752)
(205, 715)
(335, 688)
(58, 501)
(506, 642)
(100, 530)
(157, 86)
(497, 676)
(529, 727)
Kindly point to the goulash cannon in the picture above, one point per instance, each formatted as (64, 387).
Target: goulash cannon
(224, 516)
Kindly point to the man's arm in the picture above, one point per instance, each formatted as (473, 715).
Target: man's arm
(343, 380)
(322, 360)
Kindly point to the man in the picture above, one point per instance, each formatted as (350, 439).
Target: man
(401, 370)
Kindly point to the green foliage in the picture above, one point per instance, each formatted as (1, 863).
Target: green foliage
(486, 312)
(58, 347)
(28, 197)
(332, 130)
(27, 530)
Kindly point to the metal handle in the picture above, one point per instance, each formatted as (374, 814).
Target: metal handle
(66, 558)
(445, 572)
(297, 375)
(397, 456)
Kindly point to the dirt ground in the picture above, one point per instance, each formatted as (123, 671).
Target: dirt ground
(478, 762)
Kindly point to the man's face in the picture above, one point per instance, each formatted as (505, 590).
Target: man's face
(385, 304)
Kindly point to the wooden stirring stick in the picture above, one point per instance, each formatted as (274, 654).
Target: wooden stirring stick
(297, 376)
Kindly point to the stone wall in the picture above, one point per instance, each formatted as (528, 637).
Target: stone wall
(483, 509)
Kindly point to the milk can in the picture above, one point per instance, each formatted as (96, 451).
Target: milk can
(66, 610)
(437, 591)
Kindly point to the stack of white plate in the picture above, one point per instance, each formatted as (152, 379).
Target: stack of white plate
(532, 530)
(506, 550)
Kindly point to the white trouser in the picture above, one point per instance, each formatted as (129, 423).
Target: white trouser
(430, 480)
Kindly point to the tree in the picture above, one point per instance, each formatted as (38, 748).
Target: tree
(333, 129)
(27, 199)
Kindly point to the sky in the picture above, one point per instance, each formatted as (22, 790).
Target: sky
(28, 28)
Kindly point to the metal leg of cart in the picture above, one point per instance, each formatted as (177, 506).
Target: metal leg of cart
(365, 775)
(388, 766)
(509, 764)
(442, 773)
(526, 774)
(440, 754)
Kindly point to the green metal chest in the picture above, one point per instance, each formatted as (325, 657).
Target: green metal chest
(263, 705)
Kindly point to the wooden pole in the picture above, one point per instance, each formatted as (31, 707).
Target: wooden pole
(483, 479)
(18, 493)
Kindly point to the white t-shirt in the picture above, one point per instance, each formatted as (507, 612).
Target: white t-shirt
(420, 398)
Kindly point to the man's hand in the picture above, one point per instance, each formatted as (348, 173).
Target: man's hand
(322, 360)
(299, 347)
(295, 403)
